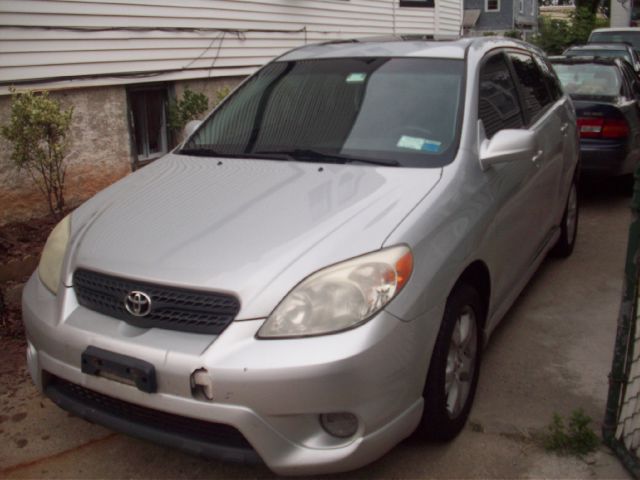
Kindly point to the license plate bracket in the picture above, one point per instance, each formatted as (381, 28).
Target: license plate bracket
(121, 368)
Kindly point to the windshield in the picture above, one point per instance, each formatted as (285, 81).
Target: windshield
(616, 37)
(396, 111)
(589, 79)
(599, 52)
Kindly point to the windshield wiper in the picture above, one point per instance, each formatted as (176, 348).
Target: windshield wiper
(209, 152)
(310, 155)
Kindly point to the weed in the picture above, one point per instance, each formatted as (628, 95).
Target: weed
(575, 438)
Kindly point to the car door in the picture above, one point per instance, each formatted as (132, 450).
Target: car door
(565, 110)
(510, 233)
(630, 108)
(543, 117)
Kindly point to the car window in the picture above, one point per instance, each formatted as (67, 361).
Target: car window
(401, 109)
(589, 79)
(498, 105)
(553, 84)
(616, 37)
(534, 90)
(632, 86)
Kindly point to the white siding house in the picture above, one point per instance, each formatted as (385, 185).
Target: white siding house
(118, 62)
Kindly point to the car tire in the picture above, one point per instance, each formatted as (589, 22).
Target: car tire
(454, 367)
(569, 227)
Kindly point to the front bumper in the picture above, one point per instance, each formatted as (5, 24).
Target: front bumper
(271, 391)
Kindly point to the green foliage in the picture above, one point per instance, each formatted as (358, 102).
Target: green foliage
(489, 34)
(576, 438)
(190, 107)
(221, 94)
(555, 35)
(513, 34)
(39, 132)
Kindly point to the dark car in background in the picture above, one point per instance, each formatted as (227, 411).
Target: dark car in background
(607, 50)
(605, 93)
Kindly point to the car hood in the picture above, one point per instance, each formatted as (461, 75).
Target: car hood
(254, 228)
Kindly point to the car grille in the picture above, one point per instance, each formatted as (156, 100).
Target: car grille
(66, 394)
(171, 308)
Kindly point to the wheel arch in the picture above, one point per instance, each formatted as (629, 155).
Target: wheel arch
(477, 275)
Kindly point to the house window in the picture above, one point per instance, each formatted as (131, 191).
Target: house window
(492, 5)
(147, 108)
(417, 3)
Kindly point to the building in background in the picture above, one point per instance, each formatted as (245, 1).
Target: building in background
(625, 13)
(500, 16)
(118, 62)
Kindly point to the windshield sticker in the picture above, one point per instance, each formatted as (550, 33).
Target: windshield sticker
(431, 146)
(417, 143)
(356, 77)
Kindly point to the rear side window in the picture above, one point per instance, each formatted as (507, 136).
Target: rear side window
(498, 106)
(534, 89)
(553, 84)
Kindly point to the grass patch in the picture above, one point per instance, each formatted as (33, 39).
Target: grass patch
(575, 437)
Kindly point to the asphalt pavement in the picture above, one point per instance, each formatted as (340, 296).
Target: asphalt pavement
(551, 354)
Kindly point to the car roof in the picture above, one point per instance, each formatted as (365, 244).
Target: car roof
(401, 46)
(583, 59)
(602, 46)
(616, 29)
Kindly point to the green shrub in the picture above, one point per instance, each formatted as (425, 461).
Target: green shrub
(39, 132)
(555, 36)
(576, 438)
(189, 107)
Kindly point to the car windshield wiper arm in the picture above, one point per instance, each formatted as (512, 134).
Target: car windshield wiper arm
(310, 155)
(209, 152)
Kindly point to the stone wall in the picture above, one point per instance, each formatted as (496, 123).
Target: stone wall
(99, 152)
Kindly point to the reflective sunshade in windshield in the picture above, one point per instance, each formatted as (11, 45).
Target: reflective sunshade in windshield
(375, 110)
(589, 79)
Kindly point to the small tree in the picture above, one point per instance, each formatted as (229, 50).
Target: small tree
(39, 131)
(190, 107)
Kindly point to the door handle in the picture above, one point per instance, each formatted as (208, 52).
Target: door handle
(563, 128)
(537, 156)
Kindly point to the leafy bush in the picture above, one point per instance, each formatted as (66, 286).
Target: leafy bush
(190, 107)
(576, 439)
(555, 36)
(39, 131)
(513, 34)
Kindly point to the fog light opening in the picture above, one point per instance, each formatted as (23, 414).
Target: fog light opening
(341, 425)
(201, 384)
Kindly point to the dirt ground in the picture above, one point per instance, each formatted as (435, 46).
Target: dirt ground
(551, 354)
(20, 247)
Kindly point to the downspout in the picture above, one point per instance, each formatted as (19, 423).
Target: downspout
(393, 16)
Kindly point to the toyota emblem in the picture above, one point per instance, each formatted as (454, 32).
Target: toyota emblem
(138, 303)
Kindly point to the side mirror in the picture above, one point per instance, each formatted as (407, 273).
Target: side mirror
(190, 127)
(507, 146)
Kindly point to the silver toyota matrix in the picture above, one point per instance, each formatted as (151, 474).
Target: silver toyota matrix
(312, 275)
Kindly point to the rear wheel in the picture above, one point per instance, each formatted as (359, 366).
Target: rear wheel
(454, 368)
(569, 228)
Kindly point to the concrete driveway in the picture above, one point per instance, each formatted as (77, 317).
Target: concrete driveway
(552, 353)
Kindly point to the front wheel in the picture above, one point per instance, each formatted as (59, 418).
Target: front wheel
(569, 228)
(454, 368)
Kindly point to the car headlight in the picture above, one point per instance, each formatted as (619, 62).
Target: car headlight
(50, 267)
(341, 296)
